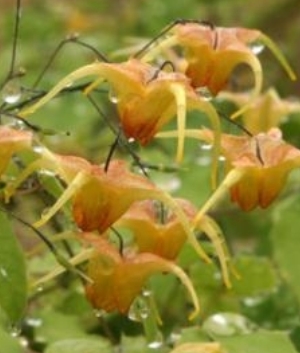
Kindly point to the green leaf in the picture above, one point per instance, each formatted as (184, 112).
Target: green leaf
(286, 241)
(260, 342)
(9, 344)
(13, 286)
(80, 345)
(256, 276)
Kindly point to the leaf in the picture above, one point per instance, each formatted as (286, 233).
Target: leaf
(80, 345)
(8, 343)
(260, 342)
(286, 241)
(13, 284)
(256, 276)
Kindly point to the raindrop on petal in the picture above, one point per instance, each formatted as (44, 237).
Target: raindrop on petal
(113, 97)
(256, 47)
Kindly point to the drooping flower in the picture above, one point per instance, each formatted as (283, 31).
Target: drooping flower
(147, 97)
(264, 112)
(100, 197)
(257, 167)
(158, 232)
(117, 280)
(12, 141)
(212, 53)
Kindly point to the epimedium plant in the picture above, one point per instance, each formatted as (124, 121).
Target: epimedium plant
(109, 237)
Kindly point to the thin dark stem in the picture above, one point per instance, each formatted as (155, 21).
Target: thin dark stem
(143, 50)
(70, 39)
(120, 239)
(239, 126)
(122, 140)
(246, 131)
(111, 151)
(11, 70)
(60, 259)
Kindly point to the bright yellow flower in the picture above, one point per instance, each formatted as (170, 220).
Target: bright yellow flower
(12, 141)
(147, 98)
(212, 53)
(100, 197)
(118, 279)
(265, 111)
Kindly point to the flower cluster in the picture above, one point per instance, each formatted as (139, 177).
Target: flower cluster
(110, 198)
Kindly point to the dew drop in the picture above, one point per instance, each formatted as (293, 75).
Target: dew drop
(113, 97)
(34, 322)
(257, 48)
(15, 331)
(206, 146)
(11, 92)
(99, 313)
(3, 272)
(227, 324)
(155, 344)
(204, 93)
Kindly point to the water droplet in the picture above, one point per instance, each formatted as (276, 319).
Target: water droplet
(227, 324)
(204, 93)
(206, 146)
(155, 344)
(15, 331)
(203, 160)
(253, 301)
(133, 314)
(47, 172)
(39, 288)
(3, 272)
(99, 313)
(11, 92)
(69, 84)
(175, 337)
(256, 47)
(146, 293)
(24, 342)
(113, 97)
(34, 322)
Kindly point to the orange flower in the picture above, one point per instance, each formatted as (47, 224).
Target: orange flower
(99, 197)
(147, 97)
(117, 280)
(212, 53)
(257, 167)
(12, 141)
(265, 111)
(166, 237)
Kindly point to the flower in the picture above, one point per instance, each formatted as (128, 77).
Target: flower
(212, 53)
(147, 97)
(163, 234)
(257, 167)
(265, 111)
(12, 141)
(118, 279)
(100, 197)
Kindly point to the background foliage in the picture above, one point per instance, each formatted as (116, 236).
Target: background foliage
(261, 312)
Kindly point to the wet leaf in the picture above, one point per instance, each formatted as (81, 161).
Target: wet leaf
(285, 239)
(13, 287)
(257, 276)
(9, 344)
(80, 346)
(259, 342)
